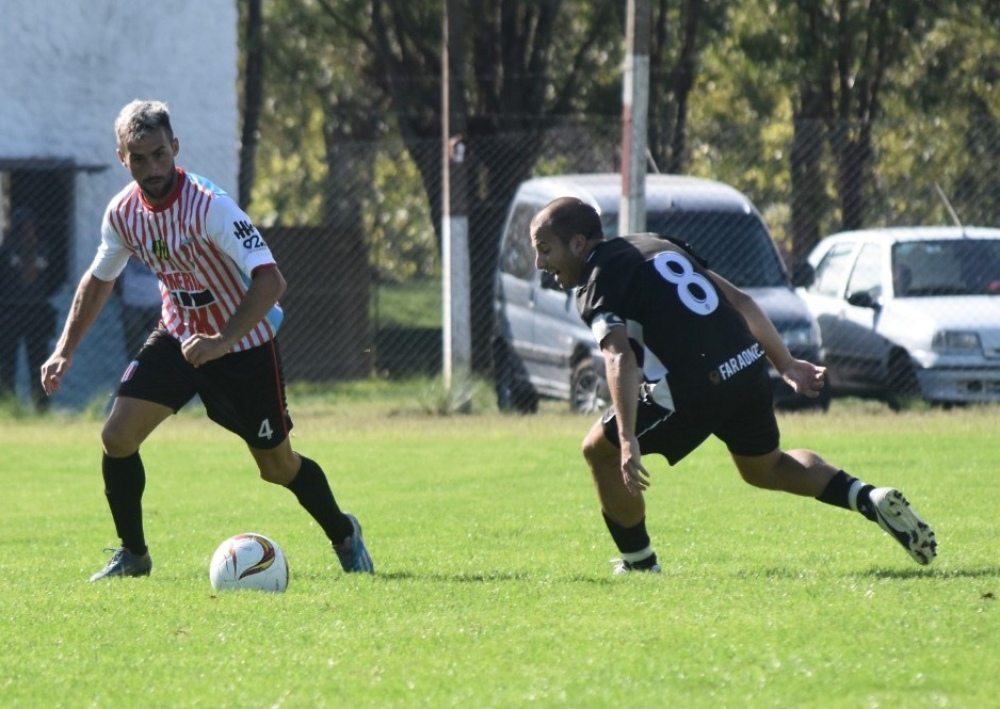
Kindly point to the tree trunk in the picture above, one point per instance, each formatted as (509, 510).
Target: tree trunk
(853, 160)
(808, 193)
(253, 97)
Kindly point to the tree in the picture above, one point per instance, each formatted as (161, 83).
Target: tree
(839, 57)
(870, 38)
(532, 63)
(680, 32)
(947, 113)
(317, 129)
(253, 95)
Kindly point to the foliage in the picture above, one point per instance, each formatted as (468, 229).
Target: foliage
(944, 123)
(319, 107)
(401, 241)
(740, 126)
(290, 169)
(413, 303)
(880, 95)
(680, 34)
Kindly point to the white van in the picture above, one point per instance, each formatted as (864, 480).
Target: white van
(541, 347)
(910, 312)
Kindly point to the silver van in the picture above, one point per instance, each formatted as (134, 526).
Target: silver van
(541, 348)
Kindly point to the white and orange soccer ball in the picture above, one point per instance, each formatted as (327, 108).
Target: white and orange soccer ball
(249, 561)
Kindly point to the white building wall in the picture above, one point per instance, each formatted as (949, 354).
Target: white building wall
(68, 66)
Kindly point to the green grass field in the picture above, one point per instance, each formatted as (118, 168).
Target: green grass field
(493, 586)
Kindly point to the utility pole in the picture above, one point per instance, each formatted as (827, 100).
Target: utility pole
(457, 320)
(635, 118)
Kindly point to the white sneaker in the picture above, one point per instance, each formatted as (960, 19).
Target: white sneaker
(894, 514)
(624, 567)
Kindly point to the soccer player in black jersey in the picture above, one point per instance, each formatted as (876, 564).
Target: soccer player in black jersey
(684, 352)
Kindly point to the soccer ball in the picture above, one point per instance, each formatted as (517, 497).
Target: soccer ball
(249, 561)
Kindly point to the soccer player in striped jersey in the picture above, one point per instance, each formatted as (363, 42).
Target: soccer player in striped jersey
(220, 287)
(684, 351)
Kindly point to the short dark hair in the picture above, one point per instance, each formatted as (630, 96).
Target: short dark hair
(567, 216)
(140, 118)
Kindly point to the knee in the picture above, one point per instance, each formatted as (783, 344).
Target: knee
(278, 469)
(779, 471)
(601, 455)
(117, 441)
(278, 474)
(762, 471)
(587, 450)
(592, 449)
(270, 475)
(757, 478)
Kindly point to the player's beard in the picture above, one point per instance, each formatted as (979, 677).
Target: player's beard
(158, 190)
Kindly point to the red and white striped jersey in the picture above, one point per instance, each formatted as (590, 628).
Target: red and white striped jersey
(202, 247)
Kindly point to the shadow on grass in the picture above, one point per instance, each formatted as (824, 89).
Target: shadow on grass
(474, 578)
(775, 572)
(932, 573)
(499, 577)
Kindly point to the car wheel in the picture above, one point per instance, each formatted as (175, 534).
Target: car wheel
(904, 388)
(587, 388)
(514, 394)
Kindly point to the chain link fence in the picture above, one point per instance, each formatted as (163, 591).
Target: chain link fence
(365, 295)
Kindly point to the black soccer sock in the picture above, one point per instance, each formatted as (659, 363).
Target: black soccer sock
(312, 490)
(124, 483)
(850, 493)
(632, 542)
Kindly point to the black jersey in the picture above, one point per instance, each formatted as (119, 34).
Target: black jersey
(690, 341)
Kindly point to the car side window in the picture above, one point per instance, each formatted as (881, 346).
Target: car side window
(518, 258)
(867, 274)
(832, 270)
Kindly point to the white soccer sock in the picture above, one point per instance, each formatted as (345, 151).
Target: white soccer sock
(634, 557)
(852, 494)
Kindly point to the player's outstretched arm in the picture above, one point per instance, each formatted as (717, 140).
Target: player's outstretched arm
(760, 325)
(622, 372)
(803, 377)
(91, 295)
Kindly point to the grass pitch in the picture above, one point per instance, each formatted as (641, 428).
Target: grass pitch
(493, 586)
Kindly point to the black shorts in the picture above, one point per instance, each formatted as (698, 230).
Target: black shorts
(742, 418)
(244, 392)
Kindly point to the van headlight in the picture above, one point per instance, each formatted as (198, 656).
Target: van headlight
(956, 342)
(799, 336)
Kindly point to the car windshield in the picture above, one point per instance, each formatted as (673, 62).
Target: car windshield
(736, 245)
(946, 267)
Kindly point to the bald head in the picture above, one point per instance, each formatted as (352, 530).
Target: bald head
(563, 234)
(565, 217)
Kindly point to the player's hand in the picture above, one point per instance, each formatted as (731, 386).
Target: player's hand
(53, 371)
(805, 377)
(199, 349)
(634, 475)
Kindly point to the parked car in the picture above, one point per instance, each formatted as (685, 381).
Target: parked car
(541, 348)
(910, 313)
